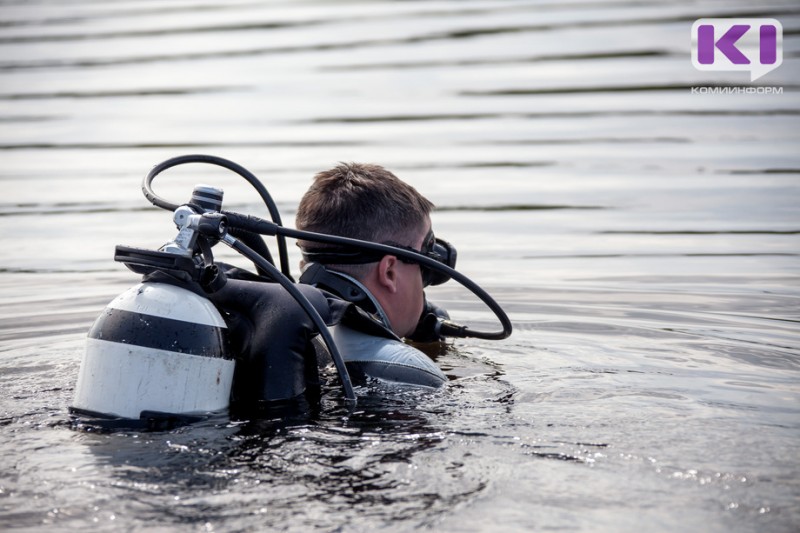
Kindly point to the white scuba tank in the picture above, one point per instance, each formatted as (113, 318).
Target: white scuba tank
(156, 347)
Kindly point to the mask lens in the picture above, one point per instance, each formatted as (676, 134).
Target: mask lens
(436, 249)
(443, 252)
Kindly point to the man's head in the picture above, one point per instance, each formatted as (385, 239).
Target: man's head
(370, 203)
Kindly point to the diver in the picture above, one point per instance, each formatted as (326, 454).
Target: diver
(371, 300)
(198, 336)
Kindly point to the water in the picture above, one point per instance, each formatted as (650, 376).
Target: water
(644, 240)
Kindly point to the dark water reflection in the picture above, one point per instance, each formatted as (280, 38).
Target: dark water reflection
(341, 469)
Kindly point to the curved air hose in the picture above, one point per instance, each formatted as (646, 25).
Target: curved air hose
(287, 284)
(264, 227)
(275, 228)
(230, 165)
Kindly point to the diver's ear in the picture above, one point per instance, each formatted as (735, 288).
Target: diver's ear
(387, 273)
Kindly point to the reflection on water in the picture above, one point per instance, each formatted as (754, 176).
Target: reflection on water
(643, 239)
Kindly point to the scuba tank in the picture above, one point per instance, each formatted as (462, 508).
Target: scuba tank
(156, 348)
(159, 350)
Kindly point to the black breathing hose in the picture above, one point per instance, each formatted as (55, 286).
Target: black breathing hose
(276, 229)
(449, 329)
(287, 284)
(156, 200)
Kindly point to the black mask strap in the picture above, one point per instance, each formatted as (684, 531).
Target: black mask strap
(341, 256)
(433, 247)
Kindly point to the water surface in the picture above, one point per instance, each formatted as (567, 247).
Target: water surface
(644, 240)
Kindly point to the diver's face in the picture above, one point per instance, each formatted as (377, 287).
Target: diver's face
(398, 285)
(409, 299)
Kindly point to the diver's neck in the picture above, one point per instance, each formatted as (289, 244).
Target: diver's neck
(375, 307)
(346, 287)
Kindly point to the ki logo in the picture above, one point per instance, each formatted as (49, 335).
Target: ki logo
(751, 44)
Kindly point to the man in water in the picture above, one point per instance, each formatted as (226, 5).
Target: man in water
(372, 300)
(368, 202)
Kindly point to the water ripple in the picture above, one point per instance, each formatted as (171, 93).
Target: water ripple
(148, 145)
(699, 232)
(244, 26)
(434, 117)
(451, 35)
(120, 93)
(516, 207)
(495, 61)
(665, 87)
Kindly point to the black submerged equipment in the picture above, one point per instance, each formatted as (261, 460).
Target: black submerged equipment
(195, 336)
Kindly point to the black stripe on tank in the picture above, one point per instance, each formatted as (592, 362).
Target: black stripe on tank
(127, 327)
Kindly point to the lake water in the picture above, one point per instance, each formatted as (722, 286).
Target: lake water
(643, 237)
